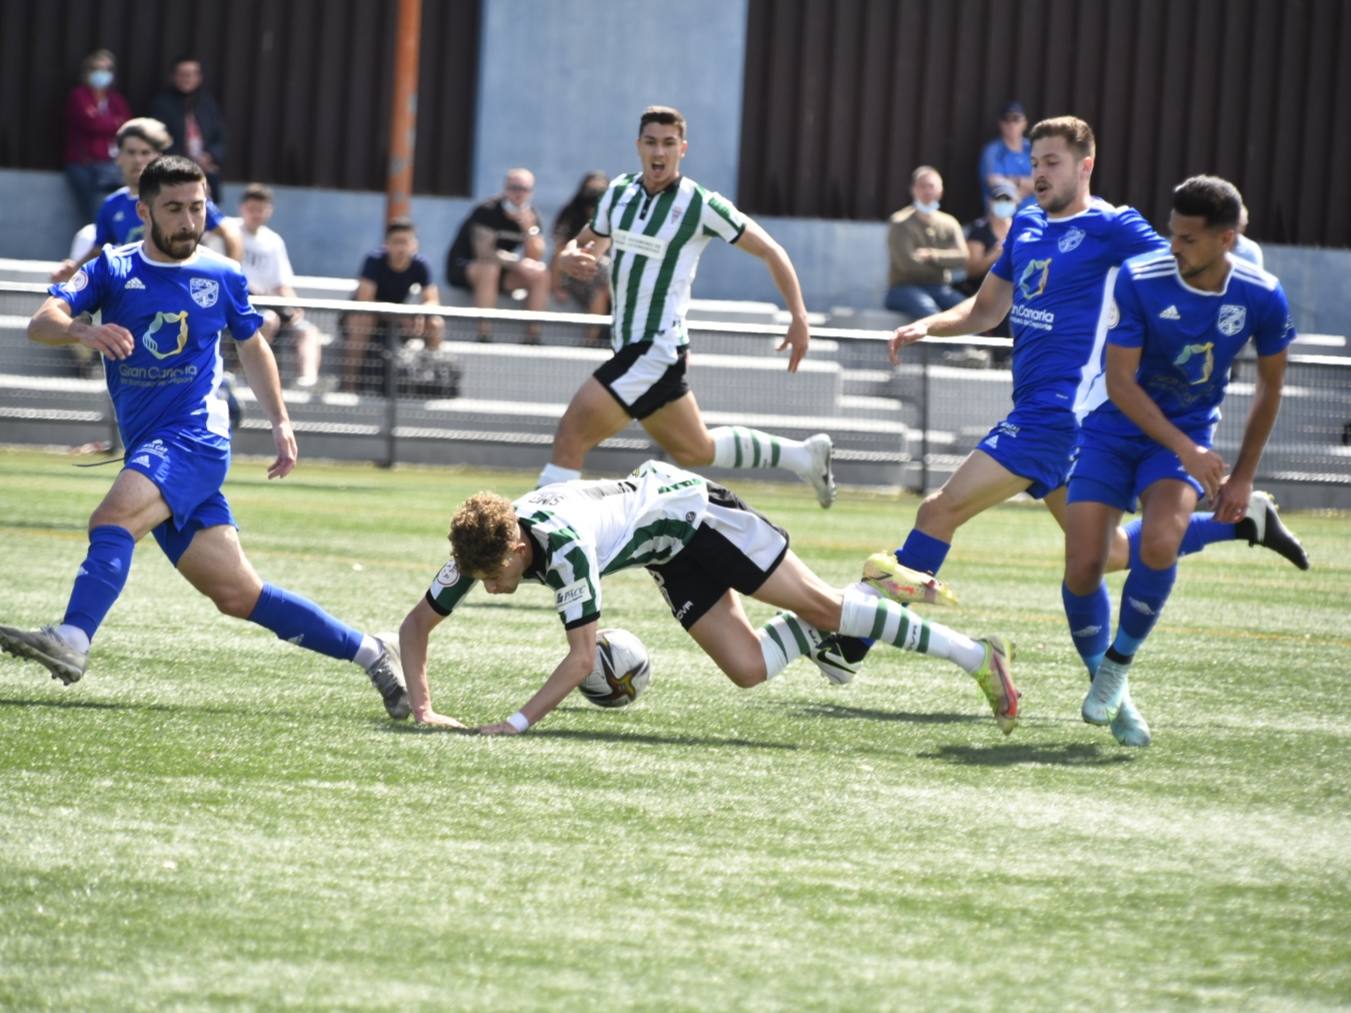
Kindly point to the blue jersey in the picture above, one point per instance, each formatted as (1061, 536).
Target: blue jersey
(1188, 338)
(118, 223)
(175, 313)
(1058, 267)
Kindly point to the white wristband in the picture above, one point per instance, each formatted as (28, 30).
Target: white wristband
(519, 721)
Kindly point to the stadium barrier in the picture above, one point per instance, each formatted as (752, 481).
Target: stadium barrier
(496, 402)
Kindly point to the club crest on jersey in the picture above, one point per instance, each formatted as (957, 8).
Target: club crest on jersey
(156, 339)
(1071, 239)
(78, 280)
(204, 292)
(1034, 278)
(1232, 319)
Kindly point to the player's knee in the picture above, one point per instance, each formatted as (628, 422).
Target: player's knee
(687, 456)
(1158, 549)
(745, 671)
(936, 511)
(1083, 570)
(235, 600)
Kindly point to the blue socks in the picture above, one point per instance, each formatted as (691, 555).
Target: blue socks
(101, 577)
(301, 622)
(1090, 618)
(1202, 530)
(922, 552)
(1142, 600)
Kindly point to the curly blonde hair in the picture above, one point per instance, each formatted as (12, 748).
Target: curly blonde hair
(482, 533)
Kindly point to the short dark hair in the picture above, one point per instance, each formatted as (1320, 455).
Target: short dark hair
(400, 224)
(143, 128)
(1077, 134)
(168, 170)
(257, 191)
(667, 116)
(1210, 197)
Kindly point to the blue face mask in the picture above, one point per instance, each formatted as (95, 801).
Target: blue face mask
(1003, 208)
(100, 78)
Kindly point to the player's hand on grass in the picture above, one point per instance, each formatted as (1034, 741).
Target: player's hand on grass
(797, 338)
(1207, 467)
(906, 335)
(433, 719)
(1232, 502)
(579, 262)
(111, 340)
(285, 439)
(501, 728)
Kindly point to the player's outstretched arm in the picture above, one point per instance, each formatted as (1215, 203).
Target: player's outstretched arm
(255, 355)
(413, 636)
(759, 243)
(979, 313)
(579, 258)
(52, 324)
(1202, 463)
(1232, 502)
(566, 677)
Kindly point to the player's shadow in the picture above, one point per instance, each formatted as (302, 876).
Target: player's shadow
(102, 705)
(835, 710)
(44, 524)
(1068, 754)
(627, 738)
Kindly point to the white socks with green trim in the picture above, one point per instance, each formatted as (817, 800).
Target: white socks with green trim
(739, 447)
(883, 619)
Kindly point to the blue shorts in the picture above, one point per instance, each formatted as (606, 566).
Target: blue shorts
(189, 472)
(1115, 469)
(1035, 443)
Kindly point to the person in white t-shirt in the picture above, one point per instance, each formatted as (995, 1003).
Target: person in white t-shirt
(268, 269)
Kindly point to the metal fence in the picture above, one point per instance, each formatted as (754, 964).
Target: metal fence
(452, 385)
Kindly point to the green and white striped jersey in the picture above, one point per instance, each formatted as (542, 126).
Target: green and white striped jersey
(584, 530)
(656, 241)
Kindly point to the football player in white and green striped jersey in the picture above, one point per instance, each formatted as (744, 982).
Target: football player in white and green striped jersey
(702, 546)
(656, 224)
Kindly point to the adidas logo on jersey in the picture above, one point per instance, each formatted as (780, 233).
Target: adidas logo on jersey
(133, 283)
(1170, 313)
(143, 460)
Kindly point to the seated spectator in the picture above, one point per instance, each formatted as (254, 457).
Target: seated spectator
(592, 295)
(268, 269)
(985, 236)
(927, 250)
(140, 142)
(94, 111)
(194, 120)
(390, 275)
(1008, 158)
(499, 248)
(1243, 246)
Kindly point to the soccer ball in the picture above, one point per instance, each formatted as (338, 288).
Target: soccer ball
(621, 672)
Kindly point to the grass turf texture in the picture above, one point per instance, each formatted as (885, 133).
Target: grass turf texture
(212, 817)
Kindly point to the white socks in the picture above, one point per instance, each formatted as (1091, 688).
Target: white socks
(552, 473)
(73, 637)
(369, 651)
(883, 619)
(739, 447)
(782, 640)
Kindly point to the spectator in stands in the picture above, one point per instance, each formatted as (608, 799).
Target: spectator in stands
(194, 120)
(268, 269)
(390, 275)
(139, 142)
(500, 248)
(592, 295)
(1243, 246)
(928, 251)
(985, 241)
(1008, 158)
(94, 111)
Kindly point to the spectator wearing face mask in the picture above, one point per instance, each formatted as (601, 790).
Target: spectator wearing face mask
(593, 294)
(928, 251)
(94, 111)
(985, 242)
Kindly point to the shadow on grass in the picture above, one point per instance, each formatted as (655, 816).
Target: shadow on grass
(835, 710)
(44, 524)
(639, 738)
(1072, 754)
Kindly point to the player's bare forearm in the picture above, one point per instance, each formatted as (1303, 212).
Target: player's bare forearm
(1266, 404)
(414, 633)
(260, 367)
(53, 324)
(566, 677)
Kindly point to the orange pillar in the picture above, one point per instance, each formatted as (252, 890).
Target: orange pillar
(403, 110)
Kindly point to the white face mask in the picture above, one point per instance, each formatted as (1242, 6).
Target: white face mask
(100, 78)
(1003, 208)
(927, 207)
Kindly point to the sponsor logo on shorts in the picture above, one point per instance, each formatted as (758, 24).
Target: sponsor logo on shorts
(576, 593)
(681, 612)
(204, 292)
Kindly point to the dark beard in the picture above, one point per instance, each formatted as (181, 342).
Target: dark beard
(166, 245)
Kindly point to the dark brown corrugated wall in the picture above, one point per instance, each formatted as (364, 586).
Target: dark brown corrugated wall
(843, 98)
(305, 84)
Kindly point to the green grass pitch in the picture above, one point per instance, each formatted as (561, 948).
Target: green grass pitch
(215, 818)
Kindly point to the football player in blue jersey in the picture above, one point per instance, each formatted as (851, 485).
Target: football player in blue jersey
(164, 303)
(1050, 280)
(140, 142)
(1174, 326)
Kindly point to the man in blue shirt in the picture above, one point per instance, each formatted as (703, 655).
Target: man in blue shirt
(140, 142)
(1049, 280)
(1174, 326)
(1008, 158)
(164, 304)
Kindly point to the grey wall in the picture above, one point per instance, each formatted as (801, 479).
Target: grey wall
(563, 83)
